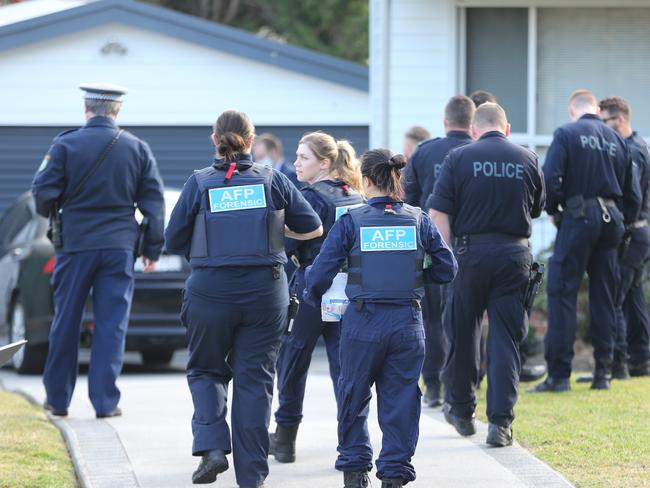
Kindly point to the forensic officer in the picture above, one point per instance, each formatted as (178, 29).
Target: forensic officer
(95, 176)
(633, 332)
(589, 178)
(492, 189)
(418, 180)
(331, 170)
(230, 222)
(382, 336)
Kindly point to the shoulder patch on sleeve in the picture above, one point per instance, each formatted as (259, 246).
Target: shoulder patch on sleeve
(45, 162)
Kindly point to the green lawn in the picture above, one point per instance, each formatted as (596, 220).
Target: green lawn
(594, 438)
(32, 451)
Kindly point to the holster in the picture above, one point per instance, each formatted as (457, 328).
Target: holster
(55, 229)
(142, 231)
(535, 280)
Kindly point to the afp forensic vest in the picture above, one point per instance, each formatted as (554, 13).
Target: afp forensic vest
(338, 198)
(237, 223)
(387, 258)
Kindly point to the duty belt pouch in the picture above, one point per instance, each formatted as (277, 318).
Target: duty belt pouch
(575, 206)
(55, 231)
(199, 245)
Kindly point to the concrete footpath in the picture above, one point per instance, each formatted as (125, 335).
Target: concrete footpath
(150, 446)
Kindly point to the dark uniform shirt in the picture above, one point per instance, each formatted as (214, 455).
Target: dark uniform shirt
(423, 169)
(340, 241)
(101, 216)
(238, 285)
(641, 162)
(588, 158)
(482, 185)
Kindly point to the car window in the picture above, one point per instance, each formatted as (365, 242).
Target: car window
(13, 221)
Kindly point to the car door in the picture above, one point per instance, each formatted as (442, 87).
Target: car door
(16, 227)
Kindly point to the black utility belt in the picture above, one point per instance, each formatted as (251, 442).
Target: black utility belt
(575, 206)
(489, 238)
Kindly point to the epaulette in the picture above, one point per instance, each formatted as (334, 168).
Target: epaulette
(66, 132)
(426, 141)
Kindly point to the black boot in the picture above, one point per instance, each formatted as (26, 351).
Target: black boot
(602, 376)
(499, 436)
(433, 394)
(386, 483)
(283, 443)
(641, 369)
(552, 385)
(464, 426)
(355, 479)
(212, 463)
(620, 369)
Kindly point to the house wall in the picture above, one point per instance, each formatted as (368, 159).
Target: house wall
(171, 82)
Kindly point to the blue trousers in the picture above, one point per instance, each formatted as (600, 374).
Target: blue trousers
(381, 344)
(295, 356)
(633, 323)
(582, 244)
(225, 343)
(436, 341)
(109, 273)
(490, 277)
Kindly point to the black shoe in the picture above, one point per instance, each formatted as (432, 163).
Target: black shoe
(116, 412)
(602, 376)
(499, 436)
(551, 385)
(212, 463)
(433, 395)
(585, 378)
(355, 479)
(620, 370)
(283, 443)
(464, 426)
(642, 369)
(532, 373)
(54, 411)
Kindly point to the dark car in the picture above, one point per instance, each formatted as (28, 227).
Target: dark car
(26, 307)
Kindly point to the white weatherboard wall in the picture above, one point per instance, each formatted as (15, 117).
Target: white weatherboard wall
(412, 68)
(171, 82)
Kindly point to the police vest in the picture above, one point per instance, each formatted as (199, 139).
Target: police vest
(386, 260)
(338, 198)
(237, 223)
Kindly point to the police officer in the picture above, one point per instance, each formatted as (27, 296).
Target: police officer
(331, 170)
(418, 180)
(382, 336)
(633, 331)
(91, 178)
(230, 222)
(589, 180)
(492, 189)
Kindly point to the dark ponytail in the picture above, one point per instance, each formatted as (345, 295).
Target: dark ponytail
(384, 170)
(234, 133)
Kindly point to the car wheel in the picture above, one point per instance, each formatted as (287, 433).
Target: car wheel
(30, 359)
(157, 356)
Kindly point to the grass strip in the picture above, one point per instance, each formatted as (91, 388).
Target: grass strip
(594, 438)
(32, 451)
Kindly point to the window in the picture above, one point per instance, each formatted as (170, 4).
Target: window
(497, 58)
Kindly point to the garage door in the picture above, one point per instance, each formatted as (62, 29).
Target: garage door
(179, 150)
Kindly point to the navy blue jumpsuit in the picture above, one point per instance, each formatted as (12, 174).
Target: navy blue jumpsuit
(382, 335)
(99, 235)
(235, 301)
(418, 180)
(586, 160)
(296, 350)
(492, 189)
(633, 332)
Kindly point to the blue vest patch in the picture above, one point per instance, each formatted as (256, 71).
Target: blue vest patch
(344, 209)
(227, 199)
(394, 238)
